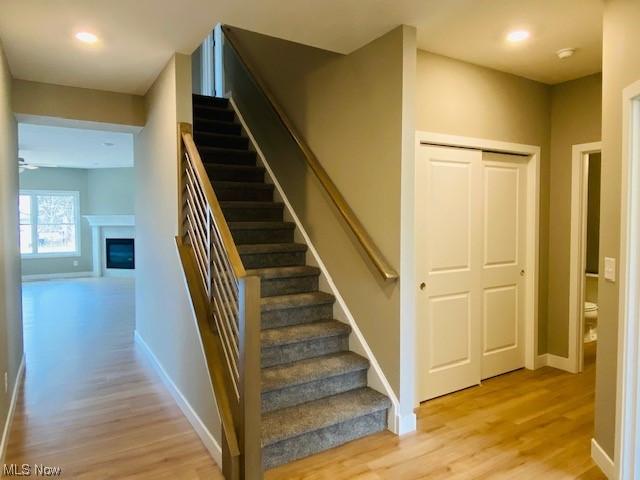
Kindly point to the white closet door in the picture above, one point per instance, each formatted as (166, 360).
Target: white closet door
(449, 256)
(504, 183)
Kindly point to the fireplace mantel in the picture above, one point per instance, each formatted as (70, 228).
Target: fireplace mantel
(111, 220)
(107, 222)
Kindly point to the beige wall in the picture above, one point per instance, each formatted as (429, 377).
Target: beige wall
(164, 318)
(620, 67)
(459, 98)
(349, 110)
(576, 117)
(10, 286)
(77, 104)
(111, 191)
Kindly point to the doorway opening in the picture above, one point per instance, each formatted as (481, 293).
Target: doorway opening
(476, 260)
(584, 252)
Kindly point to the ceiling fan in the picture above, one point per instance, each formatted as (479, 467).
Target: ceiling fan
(23, 165)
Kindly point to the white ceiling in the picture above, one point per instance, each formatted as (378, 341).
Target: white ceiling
(138, 37)
(51, 146)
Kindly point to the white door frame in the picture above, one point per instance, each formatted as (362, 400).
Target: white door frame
(627, 461)
(577, 250)
(533, 223)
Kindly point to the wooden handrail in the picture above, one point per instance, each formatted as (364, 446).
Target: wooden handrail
(226, 303)
(212, 200)
(385, 269)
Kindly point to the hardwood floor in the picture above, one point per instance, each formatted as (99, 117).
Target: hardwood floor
(90, 402)
(91, 405)
(523, 425)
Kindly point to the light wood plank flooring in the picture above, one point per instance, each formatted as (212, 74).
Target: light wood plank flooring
(90, 403)
(523, 425)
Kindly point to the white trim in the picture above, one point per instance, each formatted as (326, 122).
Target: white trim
(196, 422)
(111, 220)
(54, 276)
(376, 378)
(628, 375)
(562, 363)
(34, 223)
(12, 410)
(602, 460)
(577, 250)
(533, 221)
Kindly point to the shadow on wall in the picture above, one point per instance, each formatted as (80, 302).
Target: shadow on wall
(349, 110)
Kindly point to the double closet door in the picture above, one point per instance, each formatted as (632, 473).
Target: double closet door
(471, 251)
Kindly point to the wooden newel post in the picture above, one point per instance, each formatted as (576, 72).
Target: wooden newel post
(250, 380)
(182, 128)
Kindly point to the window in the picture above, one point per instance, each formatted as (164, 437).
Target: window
(49, 223)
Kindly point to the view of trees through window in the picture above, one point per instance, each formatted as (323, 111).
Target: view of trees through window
(48, 223)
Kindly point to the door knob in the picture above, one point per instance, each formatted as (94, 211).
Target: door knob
(522, 273)
(422, 286)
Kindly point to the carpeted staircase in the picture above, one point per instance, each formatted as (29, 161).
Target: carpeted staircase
(314, 390)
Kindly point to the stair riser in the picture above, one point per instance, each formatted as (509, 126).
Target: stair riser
(272, 356)
(288, 397)
(241, 143)
(244, 194)
(228, 175)
(239, 157)
(252, 214)
(217, 114)
(323, 439)
(295, 316)
(246, 236)
(212, 101)
(287, 286)
(263, 260)
(213, 126)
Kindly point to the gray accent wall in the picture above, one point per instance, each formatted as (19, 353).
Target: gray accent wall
(106, 191)
(10, 285)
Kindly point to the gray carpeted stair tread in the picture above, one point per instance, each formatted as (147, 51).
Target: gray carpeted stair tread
(312, 369)
(261, 225)
(295, 300)
(304, 332)
(259, 248)
(249, 204)
(284, 272)
(242, 185)
(295, 421)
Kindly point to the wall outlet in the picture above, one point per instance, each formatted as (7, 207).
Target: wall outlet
(76, 263)
(610, 269)
(6, 382)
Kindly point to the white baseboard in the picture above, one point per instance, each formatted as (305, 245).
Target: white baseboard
(12, 410)
(53, 276)
(404, 424)
(196, 422)
(602, 460)
(555, 361)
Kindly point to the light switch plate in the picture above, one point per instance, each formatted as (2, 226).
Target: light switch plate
(610, 269)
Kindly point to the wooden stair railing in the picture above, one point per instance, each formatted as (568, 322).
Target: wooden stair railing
(227, 306)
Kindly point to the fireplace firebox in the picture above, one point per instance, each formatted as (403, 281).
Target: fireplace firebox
(120, 253)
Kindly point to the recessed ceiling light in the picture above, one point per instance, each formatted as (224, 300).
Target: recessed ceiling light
(518, 36)
(108, 144)
(86, 37)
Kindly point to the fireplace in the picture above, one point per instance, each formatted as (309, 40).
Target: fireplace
(120, 253)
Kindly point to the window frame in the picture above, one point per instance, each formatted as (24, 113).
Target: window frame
(33, 193)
